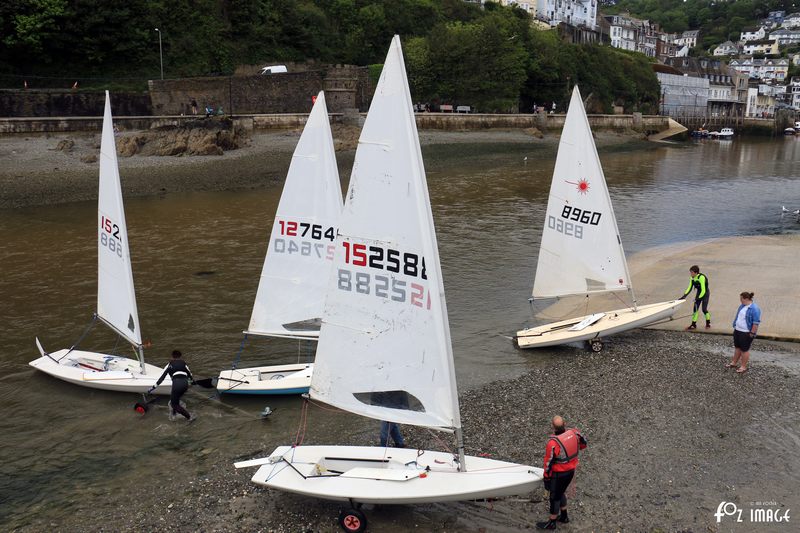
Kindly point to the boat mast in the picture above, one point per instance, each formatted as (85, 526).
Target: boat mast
(462, 465)
(625, 262)
(140, 350)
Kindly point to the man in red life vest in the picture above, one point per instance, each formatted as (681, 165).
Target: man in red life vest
(560, 461)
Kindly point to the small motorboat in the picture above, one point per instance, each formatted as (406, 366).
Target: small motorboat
(723, 134)
(700, 132)
(789, 131)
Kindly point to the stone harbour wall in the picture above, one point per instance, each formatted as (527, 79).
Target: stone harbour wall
(49, 103)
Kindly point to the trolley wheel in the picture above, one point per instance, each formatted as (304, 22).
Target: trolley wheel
(596, 345)
(352, 520)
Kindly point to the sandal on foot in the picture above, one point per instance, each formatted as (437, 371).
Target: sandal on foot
(741, 370)
(731, 365)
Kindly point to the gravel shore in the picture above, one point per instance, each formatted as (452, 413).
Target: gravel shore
(671, 433)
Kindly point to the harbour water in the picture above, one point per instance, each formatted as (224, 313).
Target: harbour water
(196, 263)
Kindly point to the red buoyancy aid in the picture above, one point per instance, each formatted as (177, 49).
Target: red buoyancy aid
(567, 457)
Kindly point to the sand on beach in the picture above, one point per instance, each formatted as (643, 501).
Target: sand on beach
(760, 264)
(34, 172)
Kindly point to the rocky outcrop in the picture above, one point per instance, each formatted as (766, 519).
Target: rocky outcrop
(210, 136)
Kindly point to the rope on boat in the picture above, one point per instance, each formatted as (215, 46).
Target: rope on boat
(301, 429)
(83, 335)
(239, 353)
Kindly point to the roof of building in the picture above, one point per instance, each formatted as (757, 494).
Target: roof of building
(665, 69)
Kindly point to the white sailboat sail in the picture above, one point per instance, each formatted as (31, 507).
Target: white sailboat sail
(291, 293)
(116, 299)
(385, 349)
(581, 252)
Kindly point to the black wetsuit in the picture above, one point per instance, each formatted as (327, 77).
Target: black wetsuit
(179, 372)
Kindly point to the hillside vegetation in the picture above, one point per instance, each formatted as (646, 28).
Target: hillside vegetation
(456, 52)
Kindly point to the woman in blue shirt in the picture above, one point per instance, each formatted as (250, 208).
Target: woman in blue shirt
(745, 327)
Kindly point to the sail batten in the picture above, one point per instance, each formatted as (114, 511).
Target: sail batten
(116, 298)
(301, 244)
(384, 349)
(581, 251)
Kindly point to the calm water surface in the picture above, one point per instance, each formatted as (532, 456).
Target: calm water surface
(66, 447)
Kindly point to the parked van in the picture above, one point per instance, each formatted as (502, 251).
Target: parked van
(274, 69)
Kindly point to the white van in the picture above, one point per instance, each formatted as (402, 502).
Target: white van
(274, 69)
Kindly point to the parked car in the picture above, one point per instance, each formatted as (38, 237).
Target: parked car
(274, 69)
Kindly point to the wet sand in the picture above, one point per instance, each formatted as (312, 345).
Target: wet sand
(34, 172)
(671, 433)
(764, 265)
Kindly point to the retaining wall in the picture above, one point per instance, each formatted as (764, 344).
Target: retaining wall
(436, 121)
(44, 103)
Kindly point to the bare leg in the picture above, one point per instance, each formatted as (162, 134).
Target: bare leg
(745, 359)
(737, 354)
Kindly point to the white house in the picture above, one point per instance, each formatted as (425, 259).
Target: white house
(765, 69)
(753, 34)
(791, 21)
(769, 48)
(794, 92)
(761, 100)
(573, 12)
(688, 38)
(785, 37)
(622, 32)
(726, 49)
(529, 6)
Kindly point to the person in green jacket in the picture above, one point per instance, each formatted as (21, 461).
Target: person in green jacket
(699, 282)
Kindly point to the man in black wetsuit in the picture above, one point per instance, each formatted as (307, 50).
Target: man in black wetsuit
(180, 374)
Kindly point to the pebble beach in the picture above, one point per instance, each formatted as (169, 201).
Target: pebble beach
(671, 432)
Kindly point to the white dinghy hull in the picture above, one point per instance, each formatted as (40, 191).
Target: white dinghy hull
(376, 475)
(610, 323)
(274, 379)
(102, 371)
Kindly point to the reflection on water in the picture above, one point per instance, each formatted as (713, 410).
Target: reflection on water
(65, 445)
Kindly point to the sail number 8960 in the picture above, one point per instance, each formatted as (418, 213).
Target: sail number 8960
(583, 216)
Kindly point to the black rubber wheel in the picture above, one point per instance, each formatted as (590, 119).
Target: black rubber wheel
(596, 345)
(352, 520)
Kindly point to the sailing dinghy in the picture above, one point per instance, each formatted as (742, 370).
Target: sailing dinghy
(384, 347)
(116, 299)
(581, 252)
(291, 292)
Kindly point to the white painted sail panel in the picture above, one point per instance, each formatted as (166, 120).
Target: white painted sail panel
(384, 349)
(116, 299)
(581, 252)
(291, 292)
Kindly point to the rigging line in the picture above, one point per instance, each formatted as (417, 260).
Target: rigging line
(324, 408)
(301, 428)
(239, 353)
(77, 342)
(442, 443)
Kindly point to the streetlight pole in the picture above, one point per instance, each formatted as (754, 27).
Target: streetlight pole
(160, 54)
